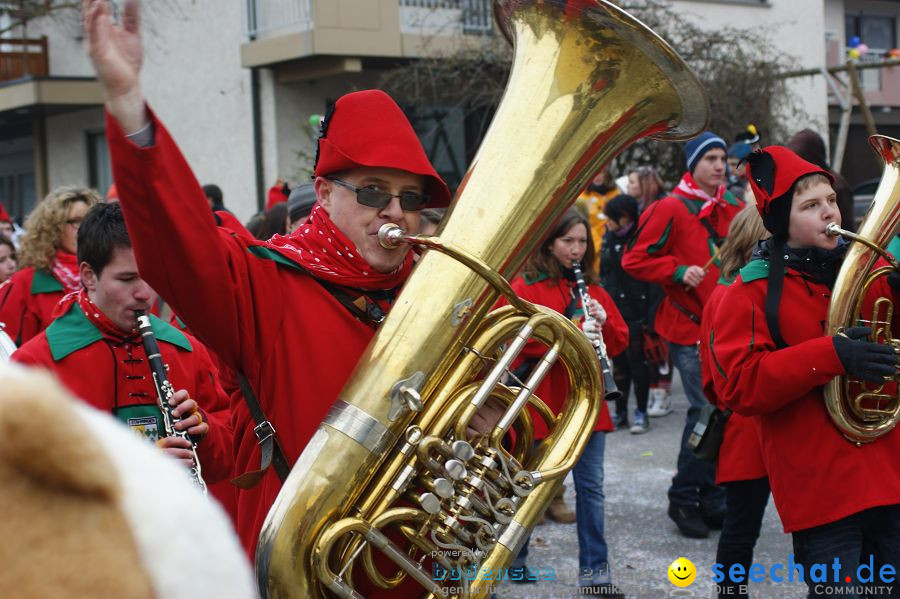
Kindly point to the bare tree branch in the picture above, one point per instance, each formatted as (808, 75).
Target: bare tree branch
(739, 69)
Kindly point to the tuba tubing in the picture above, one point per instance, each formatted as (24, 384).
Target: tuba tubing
(855, 277)
(587, 80)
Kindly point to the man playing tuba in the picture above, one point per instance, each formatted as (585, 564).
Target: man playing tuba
(294, 314)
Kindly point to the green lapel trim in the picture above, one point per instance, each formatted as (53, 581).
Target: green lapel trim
(73, 331)
(731, 198)
(752, 328)
(70, 332)
(712, 351)
(755, 270)
(267, 253)
(693, 206)
(44, 282)
(661, 242)
(725, 281)
(541, 276)
(166, 332)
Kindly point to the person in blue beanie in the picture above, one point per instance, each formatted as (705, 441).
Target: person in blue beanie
(675, 246)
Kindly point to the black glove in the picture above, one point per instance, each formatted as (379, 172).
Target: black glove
(863, 359)
(893, 280)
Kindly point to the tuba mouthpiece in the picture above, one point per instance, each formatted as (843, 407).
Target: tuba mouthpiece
(834, 230)
(390, 235)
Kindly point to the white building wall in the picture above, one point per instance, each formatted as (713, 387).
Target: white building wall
(798, 29)
(192, 78)
(67, 147)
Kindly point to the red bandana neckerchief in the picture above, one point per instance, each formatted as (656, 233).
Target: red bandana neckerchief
(106, 326)
(326, 253)
(688, 188)
(65, 269)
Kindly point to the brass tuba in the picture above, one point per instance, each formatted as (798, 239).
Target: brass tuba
(391, 469)
(860, 411)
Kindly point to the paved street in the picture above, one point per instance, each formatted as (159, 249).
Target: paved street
(643, 541)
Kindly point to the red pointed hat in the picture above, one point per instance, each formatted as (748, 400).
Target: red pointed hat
(772, 172)
(367, 128)
(4, 215)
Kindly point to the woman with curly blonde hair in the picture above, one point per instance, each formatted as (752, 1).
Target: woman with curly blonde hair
(50, 265)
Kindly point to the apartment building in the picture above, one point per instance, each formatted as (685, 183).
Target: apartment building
(236, 81)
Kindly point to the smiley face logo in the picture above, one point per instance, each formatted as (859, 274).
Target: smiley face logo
(682, 572)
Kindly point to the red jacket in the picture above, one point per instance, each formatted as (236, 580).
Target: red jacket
(114, 377)
(740, 456)
(27, 300)
(670, 237)
(256, 310)
(556, 294)
(816, 475)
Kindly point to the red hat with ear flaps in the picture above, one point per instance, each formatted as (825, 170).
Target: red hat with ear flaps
(772, 172)
(367, 128)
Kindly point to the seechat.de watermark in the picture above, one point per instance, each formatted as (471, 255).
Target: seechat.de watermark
(828, 579)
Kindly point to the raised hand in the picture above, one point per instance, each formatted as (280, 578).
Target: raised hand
(117, 53)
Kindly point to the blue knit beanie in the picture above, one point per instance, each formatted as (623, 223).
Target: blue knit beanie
(700, 145)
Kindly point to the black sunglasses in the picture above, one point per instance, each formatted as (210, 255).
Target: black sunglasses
(374, 198)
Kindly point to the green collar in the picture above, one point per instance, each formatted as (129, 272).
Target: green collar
(73, 331)
(44, 282)
(755, 270)
(731, 198)
(541, 276)
(267, 253)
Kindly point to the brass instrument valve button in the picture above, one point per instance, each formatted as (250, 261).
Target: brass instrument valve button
(443, 488)
(463, 451)
(430, 503)
(455, 469)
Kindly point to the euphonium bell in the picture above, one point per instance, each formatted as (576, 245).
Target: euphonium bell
(392, 470)
(861, 411)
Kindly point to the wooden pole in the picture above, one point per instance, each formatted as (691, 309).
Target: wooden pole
(861, 98)
(889, 62)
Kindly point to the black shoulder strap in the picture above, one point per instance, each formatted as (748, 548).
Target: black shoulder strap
(773, 292)
(712, 232)
(272, 455)
(693, 317)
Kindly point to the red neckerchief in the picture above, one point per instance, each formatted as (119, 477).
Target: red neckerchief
(326, 253)
(65, 269)
(107, 327)
(688, 188)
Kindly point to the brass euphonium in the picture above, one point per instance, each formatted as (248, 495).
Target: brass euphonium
(393, 454)
(863, 412)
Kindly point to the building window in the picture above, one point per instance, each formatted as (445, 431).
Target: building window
(879, 33)
(99, 169)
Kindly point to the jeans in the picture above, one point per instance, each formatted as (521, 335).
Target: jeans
(593, 554)
(745, 502)
(874, 533)
(694, 484)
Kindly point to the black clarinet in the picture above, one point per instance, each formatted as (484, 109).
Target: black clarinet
(164, 392)
(609, 383)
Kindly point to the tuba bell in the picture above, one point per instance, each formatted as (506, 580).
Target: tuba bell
(392, 469)
(860, 411)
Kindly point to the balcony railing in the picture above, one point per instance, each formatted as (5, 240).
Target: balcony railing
(476, 14)
(263, 16)
(23, 58)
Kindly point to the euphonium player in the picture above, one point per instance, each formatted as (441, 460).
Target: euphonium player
(94, 348)
(548, 280)
(772, 358)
